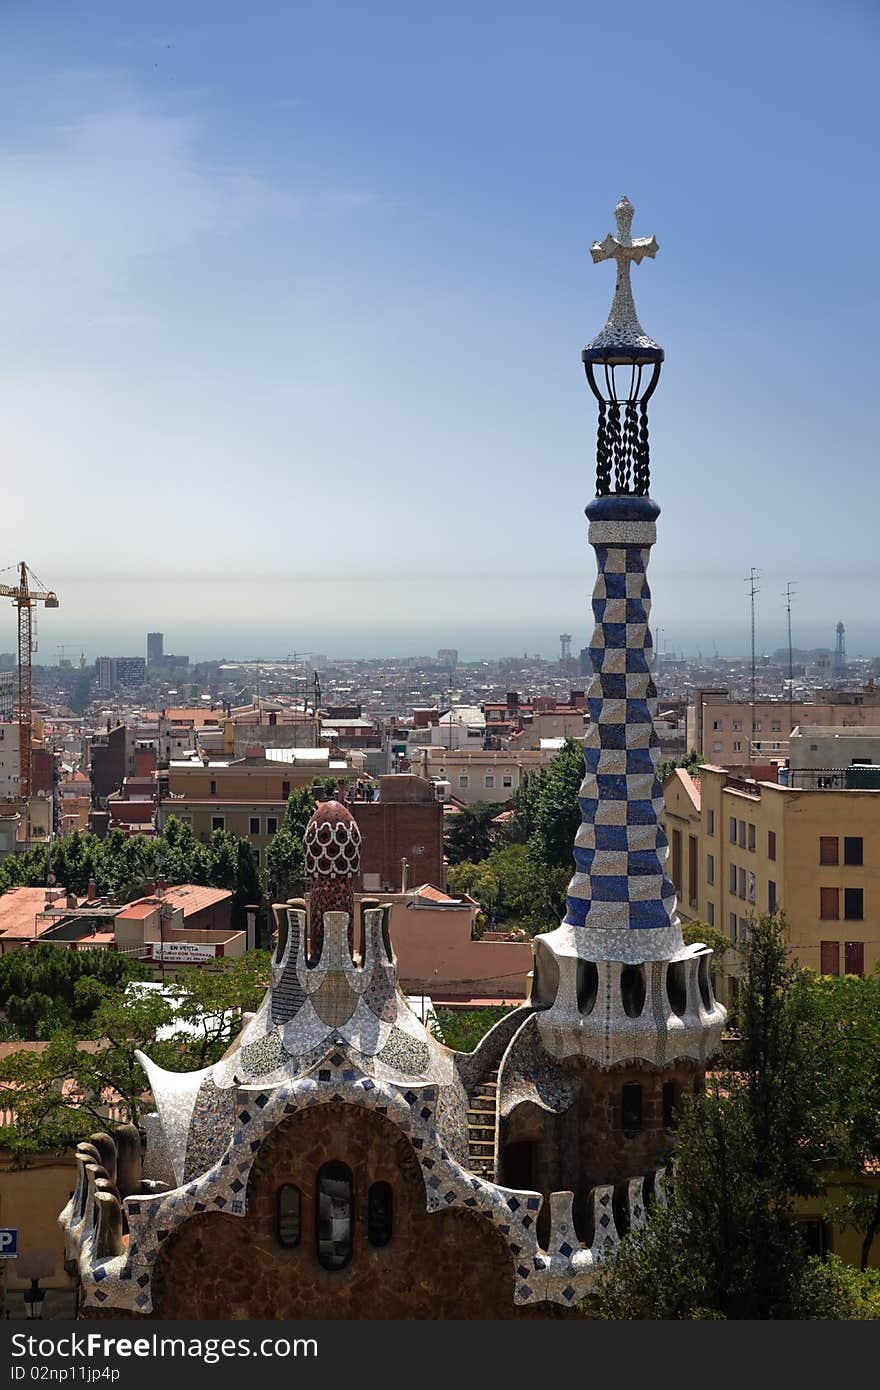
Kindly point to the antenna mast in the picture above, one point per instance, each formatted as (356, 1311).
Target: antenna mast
(754, 588)
(787, 597)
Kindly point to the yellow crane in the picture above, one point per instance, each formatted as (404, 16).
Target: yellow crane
(26, 594)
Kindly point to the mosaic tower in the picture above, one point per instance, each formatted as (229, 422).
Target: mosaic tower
(620, 940)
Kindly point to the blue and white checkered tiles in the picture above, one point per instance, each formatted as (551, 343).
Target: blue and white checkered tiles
(620, 848)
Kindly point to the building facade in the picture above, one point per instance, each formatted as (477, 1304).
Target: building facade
(752, 847)
(719, 728)
(7, 695)
(10, 762)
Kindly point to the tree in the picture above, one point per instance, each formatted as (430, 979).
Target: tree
(477, 880)
(698, 932)
(125, 1024)
(525, 806)
(285, 859)
(32, 1088)
(46, 989)
(728, 1243)
(212, 1002)
(843, 1013)
(248, 889)
(557, 814)
(691, 764)
(831, 1289)
(463, 1029)
(122, 864)
(286, 865)
(468, 835)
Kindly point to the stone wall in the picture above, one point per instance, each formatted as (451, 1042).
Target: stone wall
(450, 1264)
(587, 1145)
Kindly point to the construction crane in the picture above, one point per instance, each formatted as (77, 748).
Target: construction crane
(25, 597)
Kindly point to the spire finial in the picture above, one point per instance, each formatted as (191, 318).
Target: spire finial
(623, 338)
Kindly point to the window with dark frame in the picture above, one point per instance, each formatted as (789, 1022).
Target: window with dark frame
(669, 1099)
(854, 904)
(853, 849)
(631, 1108)
(771, 844)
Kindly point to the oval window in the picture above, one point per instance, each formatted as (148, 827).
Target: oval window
(380, 1214)
(289, 1215)
(333, 1195)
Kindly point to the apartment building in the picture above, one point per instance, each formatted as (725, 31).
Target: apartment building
(7, 694)
(720, 728)
(75, 803)
(477, 775)
(246, 796)
(10, 765)
(834, 758)
(740, 847)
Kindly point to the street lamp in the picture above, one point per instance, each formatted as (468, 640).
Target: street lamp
(33, 1298)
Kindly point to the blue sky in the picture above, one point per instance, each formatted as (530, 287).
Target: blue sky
(292, 298)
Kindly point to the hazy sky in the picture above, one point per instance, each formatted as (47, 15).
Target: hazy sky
(292, 298)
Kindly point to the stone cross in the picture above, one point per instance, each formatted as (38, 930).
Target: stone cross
(623, 323)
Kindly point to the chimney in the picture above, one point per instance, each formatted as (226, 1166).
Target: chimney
(92, 890)
(251, 914)
(160, 887)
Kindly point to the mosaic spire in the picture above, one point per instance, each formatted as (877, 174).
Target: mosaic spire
(620, 893)
(615, 981)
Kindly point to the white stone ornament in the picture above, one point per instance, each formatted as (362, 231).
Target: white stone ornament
(623, 329)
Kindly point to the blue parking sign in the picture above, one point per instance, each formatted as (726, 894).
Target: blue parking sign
(8, 1242)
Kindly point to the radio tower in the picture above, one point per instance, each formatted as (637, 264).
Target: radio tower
(840, 651)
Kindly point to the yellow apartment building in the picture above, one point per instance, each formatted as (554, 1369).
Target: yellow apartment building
(740, 847)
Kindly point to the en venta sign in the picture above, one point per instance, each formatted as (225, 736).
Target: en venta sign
(182, 951)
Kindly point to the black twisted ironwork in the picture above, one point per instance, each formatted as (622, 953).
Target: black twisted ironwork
(623, 454)
(603, 454)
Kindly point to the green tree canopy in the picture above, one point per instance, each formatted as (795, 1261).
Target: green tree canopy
(47, 988)
(728, 1245)
(468, 833)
